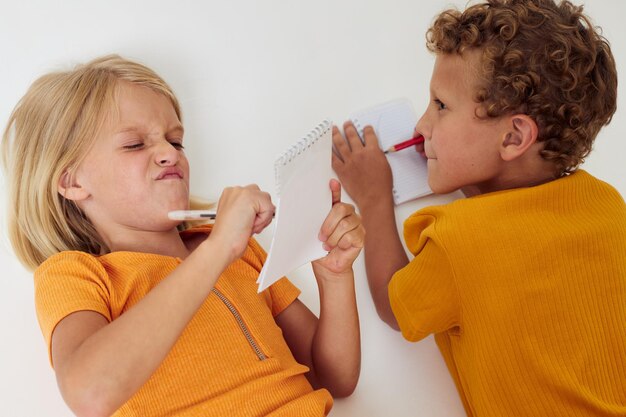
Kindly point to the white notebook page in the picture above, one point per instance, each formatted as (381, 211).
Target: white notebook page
(393, 123)
(303, 174)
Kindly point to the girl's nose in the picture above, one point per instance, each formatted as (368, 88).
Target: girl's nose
(166, 154)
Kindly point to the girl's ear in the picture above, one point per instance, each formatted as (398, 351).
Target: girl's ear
(70, 189)
(519, 138)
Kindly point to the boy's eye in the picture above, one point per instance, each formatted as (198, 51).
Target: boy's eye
(440, 105)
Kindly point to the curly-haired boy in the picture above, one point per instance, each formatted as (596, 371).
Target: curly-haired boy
(524, 283)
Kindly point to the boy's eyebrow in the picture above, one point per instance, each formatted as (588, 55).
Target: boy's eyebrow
(440, 91)
(433, 86)
(434, 91)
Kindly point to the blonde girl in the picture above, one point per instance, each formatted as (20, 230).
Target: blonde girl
(140, 318)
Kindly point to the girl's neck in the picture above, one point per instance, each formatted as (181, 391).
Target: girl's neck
(168, 243)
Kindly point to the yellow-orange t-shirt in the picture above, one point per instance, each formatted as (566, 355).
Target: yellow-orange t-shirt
(231, 359)
(525, 291)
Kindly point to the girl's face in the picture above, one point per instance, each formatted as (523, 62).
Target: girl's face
(136, 171)
(462, 149)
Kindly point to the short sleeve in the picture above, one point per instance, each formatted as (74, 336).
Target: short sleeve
(280, 294)
(423, 295)
(67, 283)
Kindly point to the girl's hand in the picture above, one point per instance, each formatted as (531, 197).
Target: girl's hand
(243, 211)
(343, 236)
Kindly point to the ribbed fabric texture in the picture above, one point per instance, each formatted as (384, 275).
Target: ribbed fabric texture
(213, 369)
(525, 290)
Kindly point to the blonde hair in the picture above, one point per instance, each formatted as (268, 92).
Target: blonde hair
(49, 133)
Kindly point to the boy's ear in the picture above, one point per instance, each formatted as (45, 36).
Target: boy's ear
(519, 138)
(70, 189)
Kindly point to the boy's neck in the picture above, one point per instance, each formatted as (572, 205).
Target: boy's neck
(523, 173)
(513, 183)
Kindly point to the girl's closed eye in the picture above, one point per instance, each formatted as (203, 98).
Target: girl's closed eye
(136, 145)
(177, 144)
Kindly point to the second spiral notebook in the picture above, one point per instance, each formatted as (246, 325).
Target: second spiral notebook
(302, 174)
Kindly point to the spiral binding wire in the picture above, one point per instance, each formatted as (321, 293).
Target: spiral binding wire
(299, 147)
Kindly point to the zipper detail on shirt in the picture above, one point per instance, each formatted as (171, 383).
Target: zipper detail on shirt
(242, 325)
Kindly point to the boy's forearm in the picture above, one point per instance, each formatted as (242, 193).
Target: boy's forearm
(384, 254)
(336, 347)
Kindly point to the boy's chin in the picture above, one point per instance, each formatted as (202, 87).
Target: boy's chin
(441, 189)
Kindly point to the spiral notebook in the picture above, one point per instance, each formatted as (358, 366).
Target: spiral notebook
(303, 173)
(393, 123)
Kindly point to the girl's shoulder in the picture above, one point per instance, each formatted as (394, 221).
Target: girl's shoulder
(69, 260)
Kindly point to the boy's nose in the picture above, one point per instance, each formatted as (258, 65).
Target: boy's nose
(422, 127)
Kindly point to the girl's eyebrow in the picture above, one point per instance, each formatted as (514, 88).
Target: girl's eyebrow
(178, 128)
(130, 129)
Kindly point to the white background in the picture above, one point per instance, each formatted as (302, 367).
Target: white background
(253, 77)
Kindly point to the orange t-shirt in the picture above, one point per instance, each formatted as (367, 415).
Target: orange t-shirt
(230, 360)
(525, 290)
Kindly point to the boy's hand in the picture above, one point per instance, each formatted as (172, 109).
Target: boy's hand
(361, 167)
(343, 236)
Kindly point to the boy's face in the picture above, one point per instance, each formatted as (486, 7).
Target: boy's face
(462, 150)
(136, 171)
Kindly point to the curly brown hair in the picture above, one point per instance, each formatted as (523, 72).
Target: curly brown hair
(542, 59)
